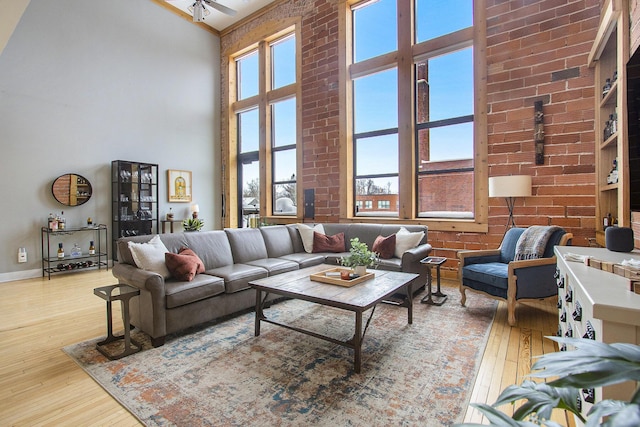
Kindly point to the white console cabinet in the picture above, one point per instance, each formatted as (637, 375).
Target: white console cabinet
(596, 304)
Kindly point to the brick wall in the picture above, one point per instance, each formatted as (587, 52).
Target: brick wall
(536, 50)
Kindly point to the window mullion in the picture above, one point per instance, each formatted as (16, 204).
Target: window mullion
(407, 183)
(264, 85)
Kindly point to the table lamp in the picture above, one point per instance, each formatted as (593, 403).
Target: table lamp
(510, 187)
(194, 211)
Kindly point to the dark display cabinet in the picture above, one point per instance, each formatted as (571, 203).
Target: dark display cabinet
(134, 195)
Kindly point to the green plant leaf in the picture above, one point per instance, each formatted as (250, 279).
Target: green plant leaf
(498, 418)
(592, 364)
(621, 414)
(540, 399)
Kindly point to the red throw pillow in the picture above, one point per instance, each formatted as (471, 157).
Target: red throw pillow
(385, 246)
(324, 243)
(184, 265)
(189, 252)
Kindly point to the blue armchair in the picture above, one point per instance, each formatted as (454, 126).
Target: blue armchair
(499, 273)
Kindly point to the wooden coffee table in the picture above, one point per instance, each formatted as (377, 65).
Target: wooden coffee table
(358, 299)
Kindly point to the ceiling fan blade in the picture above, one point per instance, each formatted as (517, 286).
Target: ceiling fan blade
(224, 9)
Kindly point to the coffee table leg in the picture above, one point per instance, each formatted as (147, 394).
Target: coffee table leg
(357, 343)
(258, 311)
(410, 302)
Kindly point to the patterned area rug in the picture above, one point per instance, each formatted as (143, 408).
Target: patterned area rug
(222, 375)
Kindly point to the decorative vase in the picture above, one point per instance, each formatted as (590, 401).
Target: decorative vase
(361, 270)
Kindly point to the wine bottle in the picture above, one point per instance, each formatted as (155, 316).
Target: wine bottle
(92, 248)
(60, 251)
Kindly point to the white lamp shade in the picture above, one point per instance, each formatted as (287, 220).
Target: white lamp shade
(195, 208)
(510, 186)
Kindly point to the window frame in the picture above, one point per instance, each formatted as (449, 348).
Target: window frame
(266, 96)
(404, 59)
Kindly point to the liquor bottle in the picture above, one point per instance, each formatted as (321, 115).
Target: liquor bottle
(51, 221)
(76, 252)
(613, 124)
(61, 222)
(60, 251)
(606, 88)
(92, 248)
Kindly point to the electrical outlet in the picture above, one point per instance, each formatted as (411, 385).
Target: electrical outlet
(22, 254)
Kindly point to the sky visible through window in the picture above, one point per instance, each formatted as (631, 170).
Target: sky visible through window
(450, 79)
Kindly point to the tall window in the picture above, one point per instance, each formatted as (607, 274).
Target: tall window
(248, 124)
(266, 120)
(376, 137)
(413, 108)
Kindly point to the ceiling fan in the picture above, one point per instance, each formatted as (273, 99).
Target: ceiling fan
(199, 10)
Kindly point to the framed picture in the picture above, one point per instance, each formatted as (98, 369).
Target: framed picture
(179, 185)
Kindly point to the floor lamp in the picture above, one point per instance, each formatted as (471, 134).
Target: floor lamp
(510, 187)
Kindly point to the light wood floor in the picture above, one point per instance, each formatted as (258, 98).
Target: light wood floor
(41, 385)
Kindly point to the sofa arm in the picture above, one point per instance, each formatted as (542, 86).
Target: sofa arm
(138, 278)
(416, 254)
(411, 264)
(533, 278)
(149, 312)
(478, 257)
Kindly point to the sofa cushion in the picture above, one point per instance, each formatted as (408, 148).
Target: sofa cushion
(335, 258)
(237, 276)
(406, 240)
(385, 246)
(493, 273)
(150, 256)
(324, 243)
(247, 244)
(509, 243)
(275, 265)
(306, 234)
(179, 292)
(211, 246)
(183, 265)
(277, 240)
(304, 259)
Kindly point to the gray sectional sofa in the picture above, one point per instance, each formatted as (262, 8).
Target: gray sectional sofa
(232, 258)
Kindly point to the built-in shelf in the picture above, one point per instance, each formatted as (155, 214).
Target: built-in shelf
(609, 55)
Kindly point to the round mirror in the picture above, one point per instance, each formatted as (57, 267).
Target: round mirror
(71, 189)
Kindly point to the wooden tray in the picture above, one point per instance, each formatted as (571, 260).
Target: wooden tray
(322, 277)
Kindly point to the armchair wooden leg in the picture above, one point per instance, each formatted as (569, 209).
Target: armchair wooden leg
(463, 296)
(511, 313)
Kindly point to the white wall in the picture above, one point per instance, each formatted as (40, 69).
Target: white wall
(83, 83)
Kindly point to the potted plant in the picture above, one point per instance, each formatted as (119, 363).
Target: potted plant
(592, 364)
(360, 257)
(193, 224)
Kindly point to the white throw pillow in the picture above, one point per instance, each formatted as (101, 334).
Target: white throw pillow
(150, 256)
(306, 233)
(406, 240)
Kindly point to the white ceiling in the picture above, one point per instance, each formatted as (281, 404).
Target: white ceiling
(219, 20)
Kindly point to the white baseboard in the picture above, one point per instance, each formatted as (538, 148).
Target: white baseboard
(20, 275)
(29, 274)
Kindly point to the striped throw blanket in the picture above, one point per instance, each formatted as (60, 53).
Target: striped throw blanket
(533, 241)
